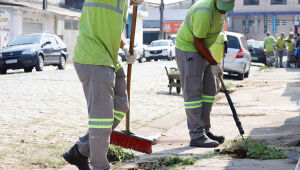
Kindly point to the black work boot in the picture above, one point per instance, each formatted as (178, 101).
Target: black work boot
(203, 142)
(211, 136)
(74, 157)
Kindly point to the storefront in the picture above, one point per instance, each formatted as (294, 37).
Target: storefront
(6, 20)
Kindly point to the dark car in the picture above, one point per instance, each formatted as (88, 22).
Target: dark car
(33, 50)
(257, 54)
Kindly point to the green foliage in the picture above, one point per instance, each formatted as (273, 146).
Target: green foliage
(118, 154)
(256, 150)
(178, 161)
(262, 68)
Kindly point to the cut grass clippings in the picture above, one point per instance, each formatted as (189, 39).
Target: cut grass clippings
(262, 68)
(118, 154)
(174, 160)
(256, 150)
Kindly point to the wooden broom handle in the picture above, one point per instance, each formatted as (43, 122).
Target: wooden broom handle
(129, 68)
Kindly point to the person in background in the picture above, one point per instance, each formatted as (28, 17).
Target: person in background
(269, 42)
(280, 46)
(290, 44)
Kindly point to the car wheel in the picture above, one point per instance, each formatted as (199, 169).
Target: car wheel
(3, 71)
(148, 59)
(140, 60)
(28, 69)
(155, 59)
(241, 76)
(62, 63)
(247, 74)
(40, 64)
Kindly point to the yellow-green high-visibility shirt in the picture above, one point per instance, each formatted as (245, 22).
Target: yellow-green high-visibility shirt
(280, 43)
(269, 42)
(289, 42)
(203, 20)
(217, 49)
(101, 25)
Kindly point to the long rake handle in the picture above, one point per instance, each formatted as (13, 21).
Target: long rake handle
(235, 115)
(129, 68)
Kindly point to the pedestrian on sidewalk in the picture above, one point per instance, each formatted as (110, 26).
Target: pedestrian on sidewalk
(197, 66)
(102, 76)
(290, 44)
(269, 42)
(280, 46)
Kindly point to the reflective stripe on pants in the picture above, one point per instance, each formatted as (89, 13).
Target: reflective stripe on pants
(105, 93)
(199, 89)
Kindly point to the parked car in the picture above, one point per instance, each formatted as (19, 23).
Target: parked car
(238, 58)
(33, 50)
(257, 55)
(160, 49)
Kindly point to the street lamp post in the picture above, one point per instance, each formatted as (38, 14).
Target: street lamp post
(161, 9)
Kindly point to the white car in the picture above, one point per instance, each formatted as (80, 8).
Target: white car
(160, 49)
(238, 58)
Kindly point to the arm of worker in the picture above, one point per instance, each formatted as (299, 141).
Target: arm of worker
(125, 46)
(204, 51)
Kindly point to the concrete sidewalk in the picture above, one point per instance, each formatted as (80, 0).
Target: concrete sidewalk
(268, 106)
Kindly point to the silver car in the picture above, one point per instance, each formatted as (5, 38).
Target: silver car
(238, 58)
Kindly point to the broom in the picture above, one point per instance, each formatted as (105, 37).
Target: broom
(126, 139)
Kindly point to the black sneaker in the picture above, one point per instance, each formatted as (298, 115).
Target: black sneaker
(203, 142)
(211, 136)
(74, 157)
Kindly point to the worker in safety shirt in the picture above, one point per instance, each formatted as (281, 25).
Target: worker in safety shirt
(197, 66)
(218, 50)
(280, 46)
(269, 42)
(290, 44)
(102, 76)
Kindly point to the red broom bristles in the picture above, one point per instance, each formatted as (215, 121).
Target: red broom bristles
(131, 142)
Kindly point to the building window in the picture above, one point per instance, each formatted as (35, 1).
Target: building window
(71, 24)
(252, 2)
(278, 2)
(278, 22)
(298, 1)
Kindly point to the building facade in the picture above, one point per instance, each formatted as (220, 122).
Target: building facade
(61, 18)
(254, 18)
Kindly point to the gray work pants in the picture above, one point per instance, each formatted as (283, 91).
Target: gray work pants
(290, 58)
(105, 93)
(279, 58)
(270, 58)
(199, 90)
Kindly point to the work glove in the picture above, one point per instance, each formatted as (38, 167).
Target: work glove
(217, 70)
(136, 2)
(129, 57)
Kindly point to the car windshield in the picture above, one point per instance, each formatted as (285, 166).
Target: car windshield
(233, 42)
(25, 39)
(256, 44)
(159, 43)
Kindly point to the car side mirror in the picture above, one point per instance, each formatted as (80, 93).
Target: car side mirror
(46, 43)
(251, 50)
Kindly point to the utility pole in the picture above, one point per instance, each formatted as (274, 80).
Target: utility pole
(44, 4)
(161, 9)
